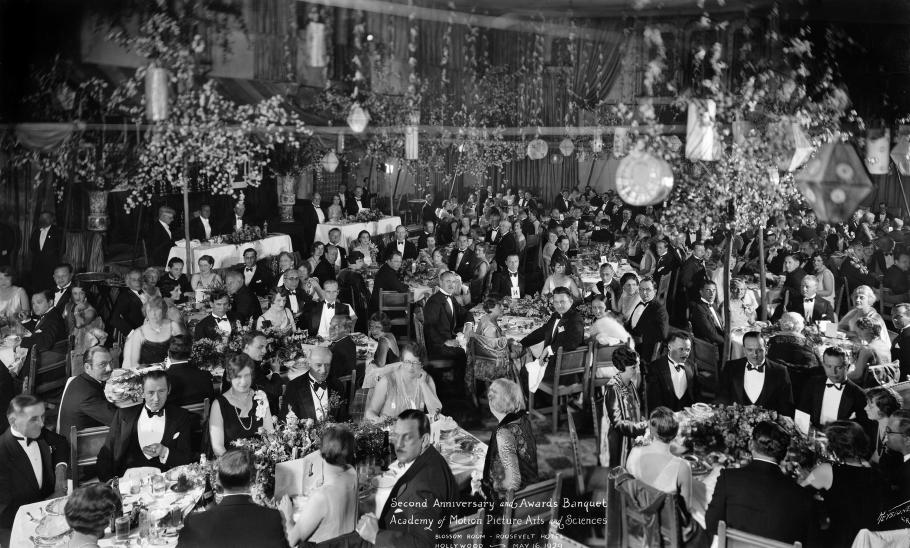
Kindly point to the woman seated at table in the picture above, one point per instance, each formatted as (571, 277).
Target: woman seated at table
(241, 410)
(854, 492)
(365, 245)
(869, 350)
(206, 279)
(335, 210)
(79, 313)
(743, 305)
(88, 512)
(645, 262)
(380, 330)
(655, 465)
(629, 298)
(277, 316)
(13, 299)
(622, 409)
(606, 330)
(464, 227)
(863, 307)
(790, 347)
(824, 276)
(881, 402)
(488, 325)
(310, 284)
(439, 261)
(313, 259)
(559, 278)
(511, 461)
(548, 249)
(330, 510)
(408, 386)
(149, 343)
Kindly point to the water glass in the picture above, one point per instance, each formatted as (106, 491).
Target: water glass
(176, 517)
(122, 528)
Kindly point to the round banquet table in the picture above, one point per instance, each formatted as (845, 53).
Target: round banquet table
(349, 231)
(228, 255)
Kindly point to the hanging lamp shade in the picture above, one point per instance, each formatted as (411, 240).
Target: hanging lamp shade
(900, 155)
(797, 145)
(339, 143)
(834, 182)
(620, 142)
(358, 118)
(702, 140)
(410, 137)
(597, 144)
(537, 149)
(878, 144)
(156, 93)
(643, 179)
(330, 162)
(567, 147)
(315, 44)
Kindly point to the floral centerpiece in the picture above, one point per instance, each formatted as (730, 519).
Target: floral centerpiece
(245, 235)
(124, 388)
(418, 272)
(529, 306)
(208, 354)
(368, 216)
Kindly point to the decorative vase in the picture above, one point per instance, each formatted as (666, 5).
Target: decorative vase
(287, 197)
(97, 210)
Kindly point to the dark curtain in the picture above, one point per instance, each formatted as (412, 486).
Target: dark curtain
(887, 188)
(597, 66)
(544, 178)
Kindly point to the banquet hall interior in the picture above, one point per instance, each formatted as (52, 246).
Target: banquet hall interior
(415, 273)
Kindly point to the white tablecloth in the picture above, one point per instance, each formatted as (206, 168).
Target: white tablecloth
(227, 255)
(349, 231)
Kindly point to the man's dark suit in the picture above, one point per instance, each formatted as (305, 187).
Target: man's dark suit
(386, 280)
(762, 500)
(703, 325)
(410, 250)
(691, 277)
(46, 331)
(344, 358)
(652, 328)
(64, 298)
(422, 239)
(8, 391)
(324, 271)
(197, 229)
(300, 294)
(428, 213)
(569, 335)
(18, 484)
(465, 268)
(207, 328)
(504, 247)
(312, 314)
(298, 397)
(502, 283)
(353, 291)
(159, 243)
(613, 285)
(309, 219)
(245, 305)
(821, 309)
(439, 326)
(897, 280)
(562, 204)
(857, 274)
(900, 352)
(776, 393)
(852, 401)
(666, 266)
(262, 281)
(353, 208)
(121, 448)
(127, 312)
(189, 384)
(660, 385)
(84, 405)
(690, 240)
(236, 522)
(45, 260)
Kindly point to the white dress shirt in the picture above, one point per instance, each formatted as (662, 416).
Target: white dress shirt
(714, 315)
(753, 382)
(808, 307)
(150, 430)
(33, 452)
(400, 246)
(206, 227)
(222, 323)
(680, 383)
(248, 273)
(320, 216)
(320, 400)
(295, 306)
(359, 204)
(42, 236)
(59, 293)
(830, 403)
(327, 315)
(636, 314)
(166, 228)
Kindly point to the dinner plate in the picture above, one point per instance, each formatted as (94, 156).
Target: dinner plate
(463, 458)
(52, 528)
(55, 507)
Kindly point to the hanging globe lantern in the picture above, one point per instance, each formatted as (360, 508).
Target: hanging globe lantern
(358, 118)
(900, 155)
(878, 143)
(156, 93)
(567, 147)
(537, 149)
(643, 179)
(330, 162)
(834, 182)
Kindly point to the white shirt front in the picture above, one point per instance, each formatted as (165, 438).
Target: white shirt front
(714, 315)
(400, 246)
(636, 314)
(320, 400)
(320, 216)
(753, 382)
(494, 235)
(33, 452)
(248, 273)
(337, 255)
(808, 307)
(150, 430)
(206, 227)
(359, 204)
(42, 236)
(222, 323)
(513, 278)
(458, 259)
(292, 300)
(166, 228)
(327, 315)
(680, 383)
(830, 403)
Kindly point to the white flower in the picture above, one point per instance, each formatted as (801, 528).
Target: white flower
(262, 407)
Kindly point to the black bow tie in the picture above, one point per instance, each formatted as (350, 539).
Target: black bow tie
(28, 441)
(249, 269)
(678, 366)
(332, 306)
(318, 385)
(758, 368)
(158, 413)
(809, 300)
(219, 318)
(61, 289)
(513, 274)
(835, 385)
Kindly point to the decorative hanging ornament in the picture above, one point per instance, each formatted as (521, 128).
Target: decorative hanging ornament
(330, 162)
(643, 179)
(315, 44)
(796, 144)
(900, 154)
(567, 147)
(537, 149)
(834, 182)
(358, 118)
(702, 139)
(878, 142)
(410, 136)
(156, 93)
(620, 142)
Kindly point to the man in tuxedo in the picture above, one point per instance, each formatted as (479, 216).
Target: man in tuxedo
(46, 325)
(357, 203)
(63, 281)
(624, 222)
(526, 201)
(155, 434)
(256, 277)
(428, 211)
(174, 284)
(505, 245)
(564, 329)
(46, 245)
(707, 320)
(793, 275)
(189, 384)
(673, 380)
(900, 349)
(316, 395)
(294, 294)
(317, 316)
(412, 516)
(220, 322)
(808, 305)
(562, 201)
(202, 228)
(692, 236)
(692, 273)
(311, 215)
(608, 286)
(429, 230)
(244, 304)
(755, 381)
(509, 282)
(161, 236)
(496, 232)
(649, 323)
(461, 260)
(127, 314)
(34, 461)
(345, 195)
(400, 244)
(897, 437)
(83, 404)
(325, 268)
(443, 318)
(387, 279)
(897, 279)
(236, 521)
(341, 258)
(666, 261)
(238, 221)
(759, 498)
(833, 397)
(344, 350)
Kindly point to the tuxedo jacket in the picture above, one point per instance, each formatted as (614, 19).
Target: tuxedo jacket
(342, 256)
(900, 352)
(344, 358)
(386, 280)
(502, 284)
(312, 314)
(207, 328)
(113, 458)
(599, 286)
(416, 517)
(45, 260)
(852, 401)
(189, 384)
(262, 281)
(8, 391)
(46, 331)
(324, 271)
(127, 312)
(197, 230)
(821, 309)
(65, 297)
(298, 397)
(235, 522)
(84, 405)
(896, 280)
(353, 208)
(428, 213)
(652, 328)
(410, 250)
(504, 247)
(353, 290)
(422, 239)
(245, 305)
(438, 326)
(18, 484)
(703, 325)
(666, 266)
(621, 227)
(690, 241)
(562, 204)
(229, 224)
(159, 243)
(465, 268)
(776, 393)
(309, 219)
(302, 299)
(660, 385)
(569, 334)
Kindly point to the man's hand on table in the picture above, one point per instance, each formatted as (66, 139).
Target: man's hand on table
(452, 342)
(368, 528)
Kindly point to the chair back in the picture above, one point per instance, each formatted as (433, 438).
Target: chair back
(350, 382)
(842, 297)
(576, 458)
(48, 371)
(601, 357)
(707, 362)
(625, 517)
(84, 447)
(467, 531)
(527, 507)
(663, 289)
(199, 425)
(399, 304)
(903, 390)
(727, 537)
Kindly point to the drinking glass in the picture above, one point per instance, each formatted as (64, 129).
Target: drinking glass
(176, 517)
(122, 528)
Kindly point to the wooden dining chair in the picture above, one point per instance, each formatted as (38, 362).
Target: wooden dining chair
(48, 372)
(727, 537)
(707, 363)
(84, 447)
(199, 425)
(571, 366)
(526, 509)
(397, 306)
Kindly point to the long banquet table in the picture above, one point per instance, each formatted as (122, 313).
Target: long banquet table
(227, 255)
(349, 231)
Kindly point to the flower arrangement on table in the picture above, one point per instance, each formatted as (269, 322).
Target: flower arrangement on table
(530, 306)
(418, 272)
(245, 235)
(587, 314)
(368, 216)
(208, 354)
(124, 388)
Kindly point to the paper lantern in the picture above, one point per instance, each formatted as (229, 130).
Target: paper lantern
(410, 137)
(156, 93)
(878, 143)
(330, 162)
(796, 144)
(834, 182)
(537, 149)
(900, 154)
(315, 44)
(358, 118)
(597, 144)
(567, 147)
(702, 140)
(620, 142)
(643, 179)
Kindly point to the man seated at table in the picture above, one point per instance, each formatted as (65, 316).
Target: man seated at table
(244, 304)
(202, 228)
(156, 434)
(755, 381)
(238, 221)
(344, 349)
(63, 280)
(341, 259)
(608, 286)
(174, 284)
(220, 322)
(834, 397)
(707, 320)
(83, 404)
(357, 203)
(387, 279)
(564, 329)
(46, 326)
(189, 384)
(759, 498)
(126, 314)
(236, 521)
(509, 282)
(429, 230)
(325, 268)
(255, 276)
(33, 461)
(672, 379)
(443, 319)
(400, 244)
(353, 289)
(295, 295)
(461, 260)
(808, 305)
(897, 279)
(161, 237)
(316, 395)
(317, 315)
(425, 255)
